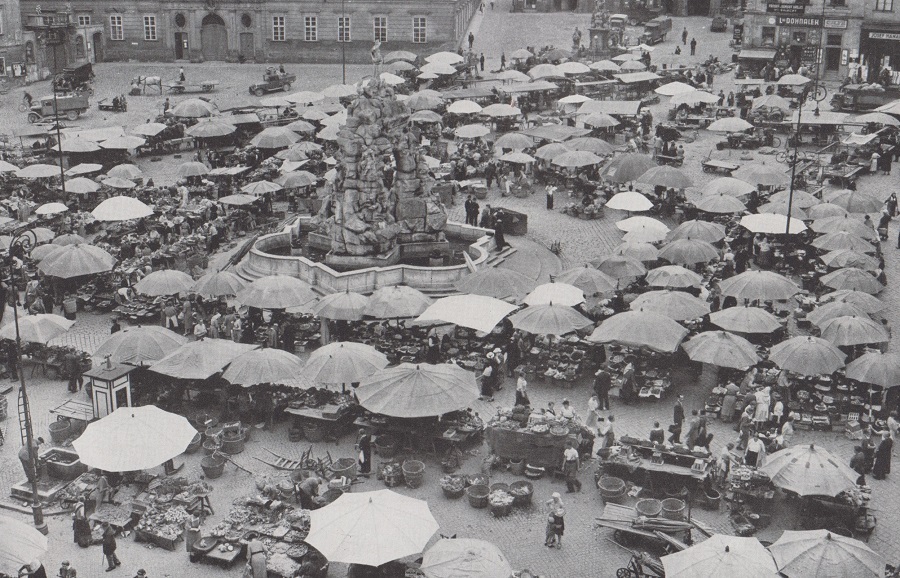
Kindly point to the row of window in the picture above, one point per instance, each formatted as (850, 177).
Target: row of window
(279, 28)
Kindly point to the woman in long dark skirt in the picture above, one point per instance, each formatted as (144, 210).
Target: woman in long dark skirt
(882, 465)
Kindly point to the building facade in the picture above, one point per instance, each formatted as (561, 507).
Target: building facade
(879, 46)
(252, 30)
(823, 35)
(12, 42)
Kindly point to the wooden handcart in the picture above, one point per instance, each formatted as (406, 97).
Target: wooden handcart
(711, 165)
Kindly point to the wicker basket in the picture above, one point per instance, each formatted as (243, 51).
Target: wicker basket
(649, 508)
(413, 473)
(521, 500)
(478, 495)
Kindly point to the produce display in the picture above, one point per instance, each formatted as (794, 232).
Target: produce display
(163, 521)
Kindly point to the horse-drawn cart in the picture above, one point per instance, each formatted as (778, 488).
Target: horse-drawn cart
(203, 86)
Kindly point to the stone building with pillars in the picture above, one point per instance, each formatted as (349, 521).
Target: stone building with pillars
(252, 30)
(12, 42)
(824, 35)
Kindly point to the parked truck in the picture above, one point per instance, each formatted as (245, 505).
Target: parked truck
(863, 97)
(655, 30)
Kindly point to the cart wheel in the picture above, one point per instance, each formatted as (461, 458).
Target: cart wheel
(623, 573)
(258, 92)
(781, 157)
(287, 86)
(707, 169)
(660, 161)
(818, 94)
(72, 115)
(34, 117)
(23, 107)
(776, 142)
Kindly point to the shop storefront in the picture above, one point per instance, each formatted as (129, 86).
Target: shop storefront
(880, 49)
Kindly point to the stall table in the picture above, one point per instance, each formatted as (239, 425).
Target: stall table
(224, 559)
(844, 176)
(540, 450)
(640, 461)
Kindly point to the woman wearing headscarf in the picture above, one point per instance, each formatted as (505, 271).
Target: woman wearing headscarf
(256, 561)
(761, 413)
(882, 465)
(80, 525)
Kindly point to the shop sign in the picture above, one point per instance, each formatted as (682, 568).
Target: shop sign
(884, 35)
(834, 24)
(780, 8)
(805, 21)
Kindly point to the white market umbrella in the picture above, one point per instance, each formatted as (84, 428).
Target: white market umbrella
(200, 359)
(39, 328)
(371, 528)
(721, 555)
(51, 209)
(164, 282)
(412, 390)
(137, 345)
(276, 292)
(134, 438)
(824, 554)
(809, 470)
(121, 209)
(344, 362)
(263, 366)
(20, 545)
(465, 558)
(473, 311)
(631, 201)
(559, 293)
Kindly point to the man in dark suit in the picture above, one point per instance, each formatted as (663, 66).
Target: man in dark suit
(602, 384)
(678, 421)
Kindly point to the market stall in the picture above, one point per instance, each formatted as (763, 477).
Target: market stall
(658, 466)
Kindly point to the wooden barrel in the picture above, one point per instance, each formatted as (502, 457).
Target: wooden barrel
(60, 430)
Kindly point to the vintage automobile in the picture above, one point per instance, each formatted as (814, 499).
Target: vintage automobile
(76, 78)
(70, 105)
(863, 97)
(719, 24)
(273, 80)
(655, 30)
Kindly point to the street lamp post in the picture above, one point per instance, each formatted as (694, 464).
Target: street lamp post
(22, 241)
(790, 202)
(62, 170)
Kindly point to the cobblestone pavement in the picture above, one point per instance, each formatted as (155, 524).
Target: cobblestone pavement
(586, 552)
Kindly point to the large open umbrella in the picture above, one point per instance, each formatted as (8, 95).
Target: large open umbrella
(549, 319)
(627, 167)
(645, 233)
(876, 368)
(551, 150)
(866, 302)
(412, 390)
(276, 292)
(191, 169)
(397, 301)
(343, 306)
(38, 171)
(677, 305)
(263, 366)
(20, 544)
(721, 348)
(555, 292)
(823, 554)
(673, 276)
(82, 186)
(640, 329)
(854, 201)
(574, 159)
(472, 131)
(84, 169)
(853, 330)
(125, 171)
(807, 355)
(344, 362)
(838, 308)
(134, 438)
(589, 280)
(545, 70)
(137, 345)
(702, 230)
(762, 174)
(809, 470)
(54, 208)
(619, 267)
(800, 199)
(729, 123)
(720, 555)
(464, 107)
(823, 210)
(41, 252)
(496, 282)
(783, 208)
(164, 282)
(720, 204)
(473, 311)
(632, 223)
(258, 188)
(666, 176)
(632, 201)
(674, 88)
(69, 239)
(512, 140)
(371, 528)
(218, 284)
(745, 320)
(842, 240)
(117, 183)
(76, 260)
(849, 258)
(465, 558)
(771, 101)
(759, 286)
(121, 209)
(39, 328)
(641, 251)
(592, 144)
(193, 108)
(844, 223)
(852, 278)
(200, 359)
(389, 57)
(688, 252)
(727, 186)
(597, 120)
(274, 137)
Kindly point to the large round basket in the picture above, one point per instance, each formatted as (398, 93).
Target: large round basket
(213, 466)
(477, 480)
(413, 473)
(332, 495)
(673, 509)
(518, 490)
(60, 430)
(612, 489)
(517, 467)
(649, 508)
(386, 447)
(500, 486)
(211, 445)
(478, 495)
(452, 493)
(499, 511)
(344, 467)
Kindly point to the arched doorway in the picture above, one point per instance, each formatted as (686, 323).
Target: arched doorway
(80, 53)
(97, 46)
(213, 38)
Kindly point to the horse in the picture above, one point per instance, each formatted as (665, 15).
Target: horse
(147, 81)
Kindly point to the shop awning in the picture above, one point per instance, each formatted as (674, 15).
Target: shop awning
(555, 132)
(612, 107)
(757, 54)
(632, 77)
(530, 87)
(466, 93)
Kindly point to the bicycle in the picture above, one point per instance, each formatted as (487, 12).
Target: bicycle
(25, 103)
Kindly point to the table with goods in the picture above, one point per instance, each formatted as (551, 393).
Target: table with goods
(651, 370)
(532, 442)
(654, 464)
(427, 433)
(848, 513)
(751, 495)
(318, 413)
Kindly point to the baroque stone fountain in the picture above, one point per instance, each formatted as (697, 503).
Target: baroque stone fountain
(371, 222)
